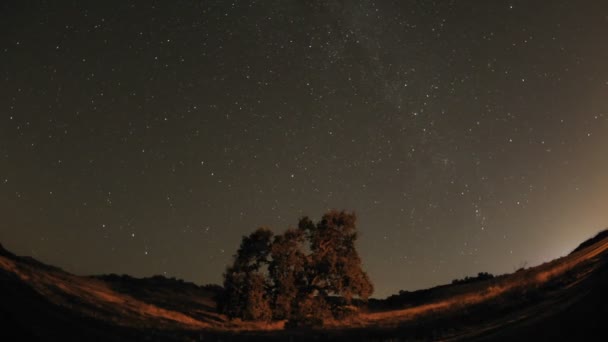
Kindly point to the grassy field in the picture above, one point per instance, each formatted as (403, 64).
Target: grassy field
(561, 299)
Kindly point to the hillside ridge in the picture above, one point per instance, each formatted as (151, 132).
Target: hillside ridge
(113, 306)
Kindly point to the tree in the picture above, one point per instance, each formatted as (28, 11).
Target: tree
(305, 274)
(257, 303)
(245, 285)
(335, 266)
(287, 270)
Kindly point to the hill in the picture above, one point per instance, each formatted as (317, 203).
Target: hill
(563, 299)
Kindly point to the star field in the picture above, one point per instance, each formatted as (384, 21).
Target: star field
(147, 138)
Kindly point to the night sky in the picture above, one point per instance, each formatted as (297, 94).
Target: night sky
(148, 137)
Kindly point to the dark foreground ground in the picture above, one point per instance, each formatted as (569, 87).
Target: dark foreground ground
(564, 300)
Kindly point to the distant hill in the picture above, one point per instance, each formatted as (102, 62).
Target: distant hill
(564, 299)
(597, 238)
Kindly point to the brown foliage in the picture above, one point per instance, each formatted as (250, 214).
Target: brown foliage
(313, 272)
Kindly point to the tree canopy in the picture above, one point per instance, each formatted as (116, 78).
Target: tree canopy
(309, 272)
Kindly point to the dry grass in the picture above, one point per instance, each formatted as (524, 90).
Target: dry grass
(531, 278)
(96, 298)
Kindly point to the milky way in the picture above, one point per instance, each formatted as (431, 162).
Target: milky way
(148, 137)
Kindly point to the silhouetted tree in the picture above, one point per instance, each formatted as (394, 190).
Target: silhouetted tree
(480, 277)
